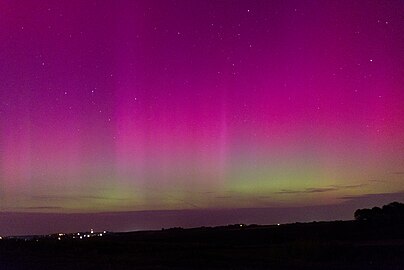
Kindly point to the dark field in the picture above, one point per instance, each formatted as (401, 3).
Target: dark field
(318, 245)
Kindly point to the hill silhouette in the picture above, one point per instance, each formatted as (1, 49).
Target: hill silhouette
(371, 241)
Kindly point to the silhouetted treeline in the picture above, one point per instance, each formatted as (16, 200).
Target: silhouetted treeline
(392, 212)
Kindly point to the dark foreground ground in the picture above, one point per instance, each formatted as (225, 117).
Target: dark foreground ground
(318, 245)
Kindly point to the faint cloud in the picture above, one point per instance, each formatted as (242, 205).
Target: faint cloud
(348, 186)
(39, 208)
(378, 181)
(289, 191)
(307, 190)
(319, 190)
(72, 197)
(224, 197)
(374, 199)
(189, 203)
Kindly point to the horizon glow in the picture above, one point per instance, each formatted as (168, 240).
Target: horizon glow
(113, 106)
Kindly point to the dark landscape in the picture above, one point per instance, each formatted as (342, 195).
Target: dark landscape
(374, 240)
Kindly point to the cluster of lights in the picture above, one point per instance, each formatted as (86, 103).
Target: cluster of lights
(62, 236)
(91, 234)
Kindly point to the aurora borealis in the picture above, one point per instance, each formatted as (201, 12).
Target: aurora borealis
(120, 106)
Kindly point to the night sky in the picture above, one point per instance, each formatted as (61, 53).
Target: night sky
(202, 106)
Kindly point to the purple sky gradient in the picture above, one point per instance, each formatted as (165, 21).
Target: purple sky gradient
(122, 106)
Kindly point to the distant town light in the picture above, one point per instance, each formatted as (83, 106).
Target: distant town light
(278, 224)
(92, 231)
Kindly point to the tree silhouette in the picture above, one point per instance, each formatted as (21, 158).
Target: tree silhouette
(392, 212)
